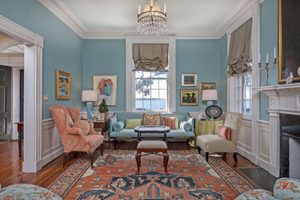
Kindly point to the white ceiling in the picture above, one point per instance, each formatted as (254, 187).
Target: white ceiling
(119, 17)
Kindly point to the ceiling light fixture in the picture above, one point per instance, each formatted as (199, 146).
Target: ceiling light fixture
(152, 21)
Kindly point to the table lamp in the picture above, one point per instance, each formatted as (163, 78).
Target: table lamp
(209, 96)
(89, 96)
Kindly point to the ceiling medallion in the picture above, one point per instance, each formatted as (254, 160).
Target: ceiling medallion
(152, 21)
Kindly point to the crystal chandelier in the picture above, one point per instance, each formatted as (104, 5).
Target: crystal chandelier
(152, 21)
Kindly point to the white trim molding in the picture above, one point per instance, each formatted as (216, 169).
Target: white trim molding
(130, 84)
(32, 88)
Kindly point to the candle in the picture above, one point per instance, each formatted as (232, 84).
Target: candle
(267, 58)
(275, 53)
(259, 58)
(139, 10)
(165, 8)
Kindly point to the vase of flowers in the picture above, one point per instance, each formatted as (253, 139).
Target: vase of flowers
(103, 109)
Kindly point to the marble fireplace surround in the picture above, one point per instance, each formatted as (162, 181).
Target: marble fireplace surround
(283, 99)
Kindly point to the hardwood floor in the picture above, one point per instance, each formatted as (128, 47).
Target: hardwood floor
(10, 165)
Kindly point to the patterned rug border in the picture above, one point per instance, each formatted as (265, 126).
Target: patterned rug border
(66, 181)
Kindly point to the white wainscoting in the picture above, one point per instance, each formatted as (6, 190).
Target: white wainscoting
(51, 144)
(245, 140)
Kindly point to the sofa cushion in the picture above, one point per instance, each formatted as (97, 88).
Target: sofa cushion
(215, 143)
(224, 132)
(118, 126)
(171, 122)
(124, 133)
(151, 119)
(132, 123)
(83, 125)
(186, 126)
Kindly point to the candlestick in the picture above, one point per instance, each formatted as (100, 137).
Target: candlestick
(259, 58)
(275, 53)
(165, 8)
(267, 58)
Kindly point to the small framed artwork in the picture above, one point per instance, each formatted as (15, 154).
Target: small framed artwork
(189, 97)
(63, 85)
(107, 89)
(189, 80)
(207, 86)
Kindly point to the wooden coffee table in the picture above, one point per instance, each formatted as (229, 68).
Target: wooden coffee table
(152, 129)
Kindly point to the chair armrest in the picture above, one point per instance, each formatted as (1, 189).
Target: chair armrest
(74, 131)
(112, 120)
(93, 131)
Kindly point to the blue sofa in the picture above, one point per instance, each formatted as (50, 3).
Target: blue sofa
(126, 134)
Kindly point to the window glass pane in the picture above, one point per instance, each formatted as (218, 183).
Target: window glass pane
(138, 94)
(146, 74)
(247, 107)
(163, 74)
(163, 84)
(154, 94)
(147, 104)
(163, 104)
(163, 94)
(155, 84)
(155, 104)
(139, 104)
(138, 74)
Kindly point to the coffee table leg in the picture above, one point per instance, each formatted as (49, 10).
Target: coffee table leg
(166, 160)
(138, 161)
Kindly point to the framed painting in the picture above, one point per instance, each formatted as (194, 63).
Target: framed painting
(289, 40)
(107, 89)
(207, 86)
(189, 80)
(63, 85)
(189, 97)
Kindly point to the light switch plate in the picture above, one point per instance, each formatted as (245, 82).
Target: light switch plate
(45, 98)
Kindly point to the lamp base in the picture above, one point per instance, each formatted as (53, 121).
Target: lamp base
(209, 103)
(89, 110)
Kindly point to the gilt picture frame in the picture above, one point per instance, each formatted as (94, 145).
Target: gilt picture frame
(63, 85)
(289, 41)
(207, 86)
(189, 97)
(189, 80)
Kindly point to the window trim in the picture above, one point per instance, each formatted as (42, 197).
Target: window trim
(130, 80)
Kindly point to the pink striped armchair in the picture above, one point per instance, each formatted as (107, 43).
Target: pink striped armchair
(75, 138)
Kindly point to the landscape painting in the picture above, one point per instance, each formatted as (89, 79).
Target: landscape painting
(63, 85)
(107, 89)
(189, 97)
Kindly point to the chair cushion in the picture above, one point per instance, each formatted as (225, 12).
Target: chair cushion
(83, 125)
(287, 188)
(215, 143)
(94, 141)
(171, 122)
(118, 126)
(224, 132)
(152, 144)
(151, 119)
(132, 123)
(257, 194)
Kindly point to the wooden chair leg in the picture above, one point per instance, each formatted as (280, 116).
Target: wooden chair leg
(65, 158)
(199, 150)
(188, 144)
(138, 162)
(102, 149)
(166, 160)
(224, 155)
(206, 156)
(235, 157)
(115, 144)
(92, 159)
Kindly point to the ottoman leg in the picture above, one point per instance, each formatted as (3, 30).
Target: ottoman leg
(138, 161)
(166, 160)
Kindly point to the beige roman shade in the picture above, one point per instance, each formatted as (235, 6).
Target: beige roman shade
(150, 57)
(239, 56)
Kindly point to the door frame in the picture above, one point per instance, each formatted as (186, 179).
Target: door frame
(33, 48)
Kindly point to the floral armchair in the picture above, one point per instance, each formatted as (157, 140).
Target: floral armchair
(75, 134)
(284, 189)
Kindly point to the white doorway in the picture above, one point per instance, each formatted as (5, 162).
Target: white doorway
(33, 45)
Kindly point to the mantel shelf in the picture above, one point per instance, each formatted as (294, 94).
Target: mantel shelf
(278, 88)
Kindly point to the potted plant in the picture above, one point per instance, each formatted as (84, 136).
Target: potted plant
(103, 109)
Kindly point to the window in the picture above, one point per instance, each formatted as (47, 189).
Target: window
(243, 90)
(151, 91)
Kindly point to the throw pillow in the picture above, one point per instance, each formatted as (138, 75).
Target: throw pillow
(171, 122)
(132, 123)
(224, 132)
(151, 119)
(186, 126)
(83, 125)
(118, 126)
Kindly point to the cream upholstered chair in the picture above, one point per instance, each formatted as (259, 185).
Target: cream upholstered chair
(81, 138)
(217, 144)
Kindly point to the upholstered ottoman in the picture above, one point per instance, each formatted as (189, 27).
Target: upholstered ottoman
(27, 192)
(152, 147)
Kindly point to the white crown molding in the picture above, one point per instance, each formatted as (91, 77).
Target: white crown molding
(58, 8)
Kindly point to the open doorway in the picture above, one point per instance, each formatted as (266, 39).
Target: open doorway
(32, 61)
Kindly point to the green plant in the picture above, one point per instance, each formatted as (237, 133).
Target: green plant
(103, 108)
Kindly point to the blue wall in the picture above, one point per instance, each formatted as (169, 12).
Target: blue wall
(62, 47)
(202, 57)
(108, 57)
(105, 57)
(268, 40)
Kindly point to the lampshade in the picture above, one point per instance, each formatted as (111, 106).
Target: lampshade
(89, 95)
(209, 95)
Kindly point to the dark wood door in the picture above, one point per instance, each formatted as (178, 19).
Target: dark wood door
(21, 95)
(5, 101)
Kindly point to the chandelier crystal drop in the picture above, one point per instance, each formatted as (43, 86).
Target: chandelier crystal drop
(152, 21)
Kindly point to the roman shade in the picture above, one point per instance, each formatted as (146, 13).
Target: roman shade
(150, 57)
(239, 57)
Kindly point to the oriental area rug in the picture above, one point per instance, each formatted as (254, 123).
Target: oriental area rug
(114, 177)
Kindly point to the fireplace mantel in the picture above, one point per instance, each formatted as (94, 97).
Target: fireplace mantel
(283, 99)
